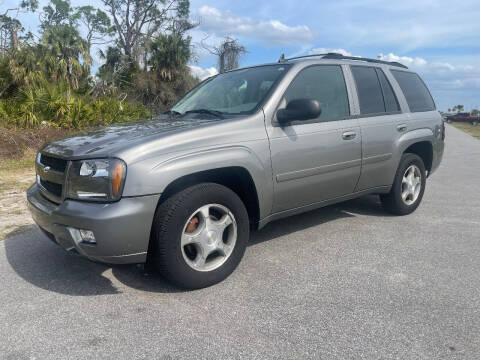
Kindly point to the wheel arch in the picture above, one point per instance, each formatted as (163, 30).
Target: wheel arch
(419, 142)
(236, 178)
(424, 149)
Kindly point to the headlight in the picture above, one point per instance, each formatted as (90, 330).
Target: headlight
(96, 180)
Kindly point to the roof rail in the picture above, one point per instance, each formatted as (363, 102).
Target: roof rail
(344, 57)
(283, 59)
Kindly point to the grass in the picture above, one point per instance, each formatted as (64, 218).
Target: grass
(473, 130)
(26, 162)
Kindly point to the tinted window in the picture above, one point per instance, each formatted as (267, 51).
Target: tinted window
(325, 84)
(417, 95)
(369, 90)
(234, 92)
(391, 103)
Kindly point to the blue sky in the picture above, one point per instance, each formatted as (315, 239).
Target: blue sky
(439, 39)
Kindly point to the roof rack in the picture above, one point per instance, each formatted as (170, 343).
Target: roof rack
(344, 57)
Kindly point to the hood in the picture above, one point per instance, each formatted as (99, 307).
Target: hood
(106, 141)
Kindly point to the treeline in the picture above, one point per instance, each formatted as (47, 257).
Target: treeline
(46, 77)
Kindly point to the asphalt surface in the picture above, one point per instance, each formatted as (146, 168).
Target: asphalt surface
(346, 281)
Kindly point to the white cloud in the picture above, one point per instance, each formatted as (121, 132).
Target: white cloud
(327, 50)
(406, 25)
(202, 73)
(271, 32)
(405, 60)
(436, 68)
(444, 78)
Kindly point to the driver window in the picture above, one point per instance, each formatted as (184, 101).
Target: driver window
(324, 83)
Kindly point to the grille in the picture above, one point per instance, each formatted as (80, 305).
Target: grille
(55, 189)
(55, 164)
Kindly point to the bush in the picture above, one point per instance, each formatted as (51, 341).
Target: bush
(52, 106)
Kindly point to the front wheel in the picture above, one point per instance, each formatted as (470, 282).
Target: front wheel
(408, 186)
(199, 235)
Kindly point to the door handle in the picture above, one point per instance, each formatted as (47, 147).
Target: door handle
(402, 127)
(349, 135)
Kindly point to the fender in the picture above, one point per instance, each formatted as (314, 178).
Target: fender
(412, 137)
(405, 141)
(162, 172)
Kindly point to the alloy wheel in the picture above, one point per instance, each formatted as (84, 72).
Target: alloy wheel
(208, 237)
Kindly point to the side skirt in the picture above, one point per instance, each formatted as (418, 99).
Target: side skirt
(320, 204)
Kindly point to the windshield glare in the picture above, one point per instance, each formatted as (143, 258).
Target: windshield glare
(235, 92)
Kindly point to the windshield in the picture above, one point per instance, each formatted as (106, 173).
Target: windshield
(234, 92)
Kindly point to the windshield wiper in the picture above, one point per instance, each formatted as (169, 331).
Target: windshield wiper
(172, 112)
(205, 111)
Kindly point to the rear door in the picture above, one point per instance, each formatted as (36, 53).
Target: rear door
(318, 159)
(381, 122)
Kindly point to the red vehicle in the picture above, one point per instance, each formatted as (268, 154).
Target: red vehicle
(463, 117)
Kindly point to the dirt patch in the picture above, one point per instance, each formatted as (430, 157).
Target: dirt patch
(18, 148)
(14, 143)
(15, 178)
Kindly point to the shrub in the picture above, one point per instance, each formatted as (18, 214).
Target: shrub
(51, 106)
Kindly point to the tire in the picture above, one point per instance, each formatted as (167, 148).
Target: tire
(174, 220)
(393, 201)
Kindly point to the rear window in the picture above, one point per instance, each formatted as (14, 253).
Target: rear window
(417, 95)
(369, 90)
(391, 103)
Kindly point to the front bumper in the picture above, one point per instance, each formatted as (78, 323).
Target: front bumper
(121, 229)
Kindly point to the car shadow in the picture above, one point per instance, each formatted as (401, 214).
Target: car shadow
(42, 263)
(368, 205)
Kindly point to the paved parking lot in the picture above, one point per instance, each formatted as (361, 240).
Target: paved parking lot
(347, 281)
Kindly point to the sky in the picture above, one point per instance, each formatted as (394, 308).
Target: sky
(437, 38)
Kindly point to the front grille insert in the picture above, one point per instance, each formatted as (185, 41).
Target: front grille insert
(55, 189)
(51, 176)
(54, 163)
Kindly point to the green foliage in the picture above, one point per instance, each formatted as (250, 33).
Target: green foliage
(50, 106)
(58, 12)
(159, 95)
(97, 23)
(45, 80)
(170, 53)
(29, 5)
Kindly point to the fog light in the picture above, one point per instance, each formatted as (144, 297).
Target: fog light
(87, 236)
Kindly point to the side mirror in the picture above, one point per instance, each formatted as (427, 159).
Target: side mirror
(299, 109)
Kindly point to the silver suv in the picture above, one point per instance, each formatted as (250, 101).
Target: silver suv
(241, 149)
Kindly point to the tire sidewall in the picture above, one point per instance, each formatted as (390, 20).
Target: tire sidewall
(408, 160)
(178, 270)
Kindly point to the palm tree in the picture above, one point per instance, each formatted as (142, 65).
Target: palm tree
(26, 66)
(67, 58)
(170, 53)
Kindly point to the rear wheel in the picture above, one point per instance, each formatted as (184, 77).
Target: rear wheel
(408, 186)
(199, 235)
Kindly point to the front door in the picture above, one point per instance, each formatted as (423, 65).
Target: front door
(319, 159)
